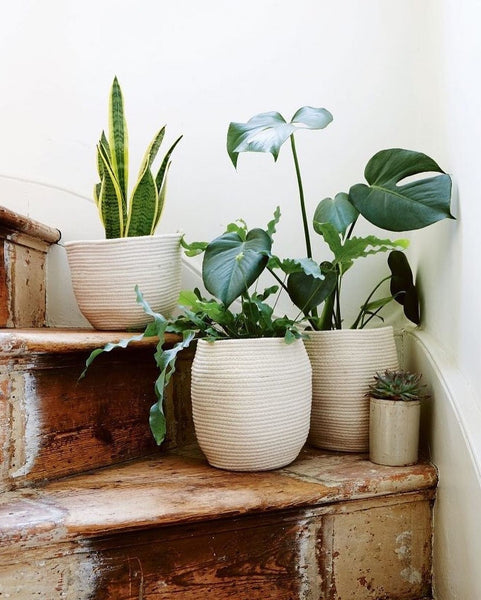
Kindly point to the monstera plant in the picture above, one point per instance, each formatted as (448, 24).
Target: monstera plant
(105, 272)
(384, 201)
(344, 358)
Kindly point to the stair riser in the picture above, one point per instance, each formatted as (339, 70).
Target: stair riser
(22, 284)
(356, 550)
(24, 244)
(53, 425)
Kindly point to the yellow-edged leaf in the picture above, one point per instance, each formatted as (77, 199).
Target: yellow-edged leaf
(118, 137)
(143, 206)
(111, 202)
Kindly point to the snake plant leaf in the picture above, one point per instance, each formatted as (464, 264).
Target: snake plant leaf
(152, 150)
(161, 203)
(143, 206)
(231, 265)
(307, 291)
(159, 178)
(96, 193)
(266, 132)
(111, 202)
(403, 289)
(337, 211)
(118, 137)
(402, 207)
(103, 143)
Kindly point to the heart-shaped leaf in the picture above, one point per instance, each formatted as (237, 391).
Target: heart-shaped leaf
(403, 289)
(231, 264)
(266, 132)
(396, 207)
(339, 212)
(307, 291)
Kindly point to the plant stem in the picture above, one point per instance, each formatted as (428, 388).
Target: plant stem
(338, 302)
(374, 314)
(364, 306)
(327, 312)
(278, 279)
(301, 199)
(349, 233)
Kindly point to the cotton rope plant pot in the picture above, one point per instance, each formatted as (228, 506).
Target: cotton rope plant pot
(343, 363)
(105, 273)
(251, 401)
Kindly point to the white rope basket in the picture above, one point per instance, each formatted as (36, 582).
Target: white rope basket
(343, 363)
(251, 401)
(105, 273)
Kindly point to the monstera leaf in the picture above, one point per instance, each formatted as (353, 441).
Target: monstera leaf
(403, 289)
(267, 131)
(232, 262)
(395, 207)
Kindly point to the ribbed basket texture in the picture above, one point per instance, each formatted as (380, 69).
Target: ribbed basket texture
(105, 273)
(251, 401)
(343, 363)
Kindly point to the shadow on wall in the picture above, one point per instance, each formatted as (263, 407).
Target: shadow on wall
(455, 447)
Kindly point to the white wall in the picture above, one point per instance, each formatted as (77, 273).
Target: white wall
(196, 66)
(449, 348)
(392, 73)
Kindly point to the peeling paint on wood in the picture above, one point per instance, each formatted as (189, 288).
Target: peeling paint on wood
(22, 283)
(24, 244)
(72, 577)
(25, 425)
(54, 425)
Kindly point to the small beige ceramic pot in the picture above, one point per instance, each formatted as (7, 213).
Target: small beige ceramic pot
(394, 432)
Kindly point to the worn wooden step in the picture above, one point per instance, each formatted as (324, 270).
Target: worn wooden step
(52, 424)
(330, 526)
(24, 244)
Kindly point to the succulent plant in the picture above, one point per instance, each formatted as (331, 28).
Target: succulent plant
(138, 215)
(397, 385)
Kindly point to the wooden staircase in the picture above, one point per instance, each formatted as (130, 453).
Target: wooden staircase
(91, 509)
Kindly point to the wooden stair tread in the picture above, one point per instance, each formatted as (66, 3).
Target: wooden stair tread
(180, 488)
(20, 224)
(18, 342)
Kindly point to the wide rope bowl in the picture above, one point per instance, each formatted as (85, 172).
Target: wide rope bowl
(344, 362)
(105, 273)
(251, 402)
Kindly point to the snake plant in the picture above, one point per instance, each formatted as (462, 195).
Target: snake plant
(138, 214)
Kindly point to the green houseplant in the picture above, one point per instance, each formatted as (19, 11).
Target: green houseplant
(251, 376)
(395, 403)
(105, 272)
(343, 358)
